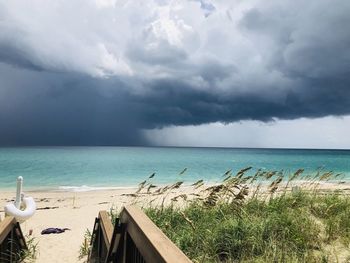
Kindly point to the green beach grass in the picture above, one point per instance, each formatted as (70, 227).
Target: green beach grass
(246, 219)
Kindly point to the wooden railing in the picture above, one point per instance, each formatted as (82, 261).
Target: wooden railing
(101, 238)
(135, 238)
(12, 242)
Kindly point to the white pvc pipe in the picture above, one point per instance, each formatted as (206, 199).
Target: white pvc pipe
(19, 192)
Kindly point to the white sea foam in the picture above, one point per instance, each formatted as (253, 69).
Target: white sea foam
(86, 188)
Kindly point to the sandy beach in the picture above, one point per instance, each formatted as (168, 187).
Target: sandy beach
(73, 210)
(77, 211)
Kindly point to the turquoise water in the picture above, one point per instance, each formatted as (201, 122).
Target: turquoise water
(74, 168)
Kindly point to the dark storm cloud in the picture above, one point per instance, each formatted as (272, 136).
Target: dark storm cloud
(276, 60)
(65, 110)
(174, 103)
(13, 56)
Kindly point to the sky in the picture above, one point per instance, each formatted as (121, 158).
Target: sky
(226, 73)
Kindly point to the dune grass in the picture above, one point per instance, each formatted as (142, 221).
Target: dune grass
(85, 247)
(292, 228)
(28, 255)
(246, 219)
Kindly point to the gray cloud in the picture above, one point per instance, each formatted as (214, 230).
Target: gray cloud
(100, 75)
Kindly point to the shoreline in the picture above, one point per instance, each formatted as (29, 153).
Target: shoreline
(87, 188)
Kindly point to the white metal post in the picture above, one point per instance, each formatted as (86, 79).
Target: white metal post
(19, 192)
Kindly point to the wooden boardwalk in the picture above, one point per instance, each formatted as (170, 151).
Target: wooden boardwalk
(134, 238)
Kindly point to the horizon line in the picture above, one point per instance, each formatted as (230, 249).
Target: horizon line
(174, 146)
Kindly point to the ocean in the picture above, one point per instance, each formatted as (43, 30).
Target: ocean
(89, 168)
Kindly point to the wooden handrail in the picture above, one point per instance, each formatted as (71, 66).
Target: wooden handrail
(107, 226)
(6, 226)
(101, 238)
(152, 243)
(12, 241)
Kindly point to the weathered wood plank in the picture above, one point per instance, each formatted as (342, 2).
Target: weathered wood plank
(106, 226)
